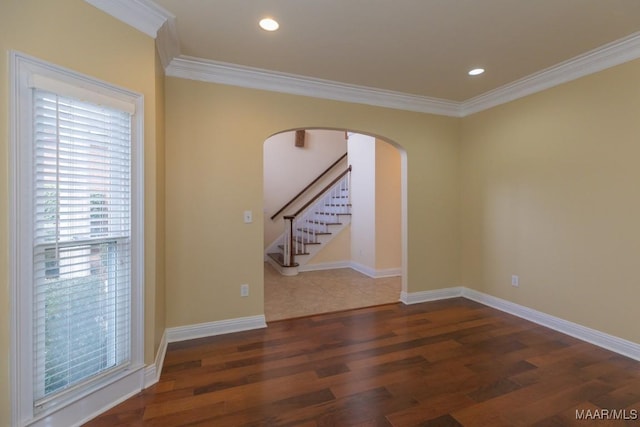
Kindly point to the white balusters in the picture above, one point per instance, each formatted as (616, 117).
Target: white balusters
(303, 228)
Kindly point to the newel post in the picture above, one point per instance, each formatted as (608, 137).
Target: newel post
(289, 253)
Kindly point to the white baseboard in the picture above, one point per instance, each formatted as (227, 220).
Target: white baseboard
(601, 339)
(116, 393)
(367, 271)
(325, 266)
(152, 372)
(610, 342)
(373, 273)
(201, 330)
(425, 296)
(388, 272)
(95, 403)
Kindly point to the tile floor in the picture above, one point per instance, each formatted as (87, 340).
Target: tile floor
(324, 291)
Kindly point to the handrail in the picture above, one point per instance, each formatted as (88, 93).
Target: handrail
(321, 192)
(339, 184)
(308, 186)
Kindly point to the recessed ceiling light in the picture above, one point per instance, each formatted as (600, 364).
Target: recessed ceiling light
(269, 24)
(476, 71)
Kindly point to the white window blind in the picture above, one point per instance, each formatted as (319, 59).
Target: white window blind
(81, 243)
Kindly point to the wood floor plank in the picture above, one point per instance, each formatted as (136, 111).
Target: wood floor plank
(534, 412)
(444, 363)
(431, 412)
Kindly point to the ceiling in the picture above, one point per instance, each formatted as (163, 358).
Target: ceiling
(416, 47)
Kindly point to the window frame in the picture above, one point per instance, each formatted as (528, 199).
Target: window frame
(86, 402)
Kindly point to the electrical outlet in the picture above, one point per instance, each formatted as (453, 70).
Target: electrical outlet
(515, 281)
(244, 290)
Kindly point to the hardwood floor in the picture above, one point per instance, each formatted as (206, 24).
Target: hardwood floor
(444, 363)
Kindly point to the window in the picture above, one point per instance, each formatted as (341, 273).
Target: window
(78, 277)
(82, 226)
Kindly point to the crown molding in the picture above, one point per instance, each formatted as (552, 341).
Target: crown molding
(167, 42)
(255, 78)
(155, 21)
(609, 55)
(144, 15)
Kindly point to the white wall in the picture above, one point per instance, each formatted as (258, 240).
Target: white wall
(362, 157)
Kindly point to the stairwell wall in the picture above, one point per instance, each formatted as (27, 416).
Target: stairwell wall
(381, 215)
(336, 252)
(288, 169)
(388, 221)
(362, 156)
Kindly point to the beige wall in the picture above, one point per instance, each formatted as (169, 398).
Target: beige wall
(160, 300)
(72, 34)
(550, 193)
(214, 142)
(289, 169)
(338, 250)
(543, 187)
(388, 207)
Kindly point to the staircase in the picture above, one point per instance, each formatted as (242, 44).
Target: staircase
(313, 226)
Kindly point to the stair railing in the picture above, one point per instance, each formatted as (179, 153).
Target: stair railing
(304, 190)
(303, 227)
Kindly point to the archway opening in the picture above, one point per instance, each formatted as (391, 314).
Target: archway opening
(360, 257)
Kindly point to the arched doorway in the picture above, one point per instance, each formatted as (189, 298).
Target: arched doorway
(364, 263)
